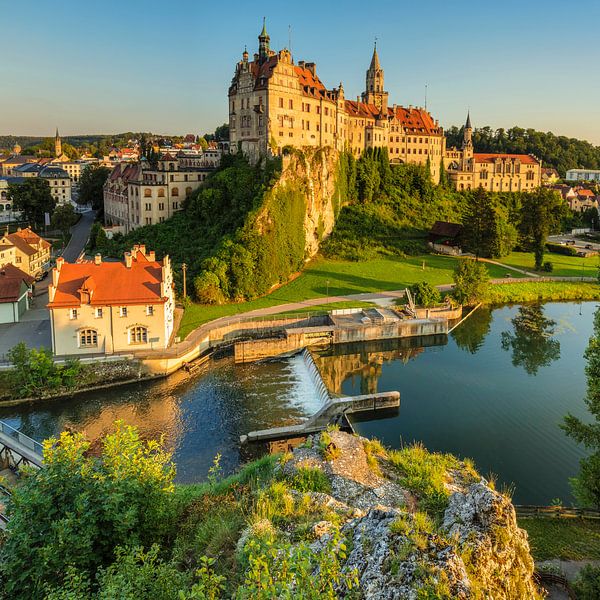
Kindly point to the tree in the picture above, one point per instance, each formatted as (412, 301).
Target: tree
(203, 143)
(63, 218)
(532, 344)
(471, 334)
(33, 199)
(425, 294)
(471, 281)
(541, 215)
(586, 486)
(479, 224)
(76, 510)
(91, 186)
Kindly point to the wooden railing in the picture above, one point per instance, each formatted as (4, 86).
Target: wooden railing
(556, 512)
(553, 579)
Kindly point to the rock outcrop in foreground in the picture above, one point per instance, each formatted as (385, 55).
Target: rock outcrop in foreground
(415, 525)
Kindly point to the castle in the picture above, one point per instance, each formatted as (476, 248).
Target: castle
(274, 103)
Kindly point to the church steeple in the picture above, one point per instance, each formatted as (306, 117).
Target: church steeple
(57, 145)
(263, 43)
(374, 92)
(467, 145)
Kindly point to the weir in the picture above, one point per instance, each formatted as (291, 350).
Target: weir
(316, 378)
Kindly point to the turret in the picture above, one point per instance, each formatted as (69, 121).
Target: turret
(374, 85)
(57, 145)
(467, 145)
(263, 43)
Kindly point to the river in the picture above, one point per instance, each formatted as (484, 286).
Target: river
(495, 390)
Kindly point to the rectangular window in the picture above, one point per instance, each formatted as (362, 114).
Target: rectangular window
(161, 206)
(291, 104)
(280, 102)
(98, 313)
(123, 311)
(149, 311)
(73, 314)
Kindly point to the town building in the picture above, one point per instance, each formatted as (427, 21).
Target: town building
(7, 214)
(135, 194)
(110, 307)
(15, 293)
(583, 199)
(469, 170)
(550, 176)
(274, 103)
(31, 252)
(583, 175)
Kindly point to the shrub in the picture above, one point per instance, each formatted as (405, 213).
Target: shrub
(471, 281)
(560, 249)
(548, 267)
(425, 294)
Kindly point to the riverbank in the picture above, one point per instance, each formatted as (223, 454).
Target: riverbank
(541, 291)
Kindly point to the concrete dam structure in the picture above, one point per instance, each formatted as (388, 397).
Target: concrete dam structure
(340, 327)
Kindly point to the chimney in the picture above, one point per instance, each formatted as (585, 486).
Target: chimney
(59, 263)
(142, 249)
(128, 259)
(152, 256)
(55, 275)
(98, 259)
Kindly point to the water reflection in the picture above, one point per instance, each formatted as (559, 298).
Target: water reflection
(531, 344)
(471, 337)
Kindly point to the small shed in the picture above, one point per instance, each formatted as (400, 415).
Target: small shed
(15, 289)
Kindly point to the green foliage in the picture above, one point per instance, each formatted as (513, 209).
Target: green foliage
(122, 498)
(541, 214)
(425, 473)
(91, 185)
(471, 282)
(34, 372)
(547, 267)
(559, 249)
(560, 152)
(33, 198)
(310, 479)
(63, 218)
(586, 486)
(425, 294)
(587, 583)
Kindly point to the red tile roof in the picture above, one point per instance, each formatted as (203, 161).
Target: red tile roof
(361, 109)
(10, 289)
(585, 193)
(111, 283)
(490, 158)
(416, 120)
(9, 271)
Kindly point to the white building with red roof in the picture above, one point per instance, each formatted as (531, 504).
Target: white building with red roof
(100, 307)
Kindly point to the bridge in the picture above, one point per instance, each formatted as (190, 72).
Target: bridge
(16, 450)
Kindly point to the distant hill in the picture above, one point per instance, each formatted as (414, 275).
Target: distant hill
(558, 151)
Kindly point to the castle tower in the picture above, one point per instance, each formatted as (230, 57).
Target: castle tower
(263, 43)
(374, 92)
(57, 145)
(467, 145)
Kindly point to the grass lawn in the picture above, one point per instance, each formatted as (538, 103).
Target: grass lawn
(564, 266)
(566, 539)
(344, 277)
(542, 291)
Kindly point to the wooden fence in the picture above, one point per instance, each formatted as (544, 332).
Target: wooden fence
(556, 512)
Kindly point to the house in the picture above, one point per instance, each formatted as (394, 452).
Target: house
(583, 175)
(15, 291)
(550, 176)
(107, 307)
(444, 237)
(583, 200)
(31, 252)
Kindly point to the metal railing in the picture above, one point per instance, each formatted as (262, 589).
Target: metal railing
(21, 438)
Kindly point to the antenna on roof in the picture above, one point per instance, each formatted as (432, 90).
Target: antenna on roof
(290, 38)
(425, 96)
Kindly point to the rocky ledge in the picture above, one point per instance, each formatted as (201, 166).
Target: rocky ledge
(415, 524)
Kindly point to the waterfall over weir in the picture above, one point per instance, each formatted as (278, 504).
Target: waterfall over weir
(308, 376)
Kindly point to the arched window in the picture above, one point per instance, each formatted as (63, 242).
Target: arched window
(7, 207)
(161, 193)
(88, 338)
(1, 207)
(138, 335)
(188, 191)
(175, 192)
(3, 195)
(147, 193)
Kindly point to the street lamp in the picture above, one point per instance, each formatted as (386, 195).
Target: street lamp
(327, 293)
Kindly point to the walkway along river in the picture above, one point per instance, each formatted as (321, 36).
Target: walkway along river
(490, 391)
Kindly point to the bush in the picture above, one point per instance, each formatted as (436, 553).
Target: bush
(587, 584)
(425, 294)
(310, 479)
(548, 267)
(471, 281)
(559, 249)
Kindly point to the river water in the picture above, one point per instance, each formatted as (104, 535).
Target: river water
(495, 390)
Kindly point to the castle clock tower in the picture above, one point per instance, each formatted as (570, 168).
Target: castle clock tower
(374, 92)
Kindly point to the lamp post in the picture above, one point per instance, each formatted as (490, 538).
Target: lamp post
(327, 293)
(184, 269)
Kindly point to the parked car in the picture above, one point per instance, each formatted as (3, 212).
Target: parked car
(41, 276)
(589, 247)
(570, 242)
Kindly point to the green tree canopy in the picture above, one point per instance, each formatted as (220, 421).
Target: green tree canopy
(91, 186)
(471, 281)
(63, 218)
(33, 198)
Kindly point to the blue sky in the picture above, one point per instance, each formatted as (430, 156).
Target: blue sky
(102, 67)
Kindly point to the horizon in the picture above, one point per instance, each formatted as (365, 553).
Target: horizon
(172, 70)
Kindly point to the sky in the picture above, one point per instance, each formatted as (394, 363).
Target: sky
(132, 65)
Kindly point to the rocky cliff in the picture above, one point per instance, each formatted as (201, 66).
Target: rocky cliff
(416, 525)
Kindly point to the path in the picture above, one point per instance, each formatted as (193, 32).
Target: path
(80, 232)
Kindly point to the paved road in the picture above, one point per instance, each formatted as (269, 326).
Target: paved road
(79, 236)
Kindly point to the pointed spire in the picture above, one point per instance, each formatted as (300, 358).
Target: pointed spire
(375, 59)
(57, 135)
(468, 123)
(264, 33)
